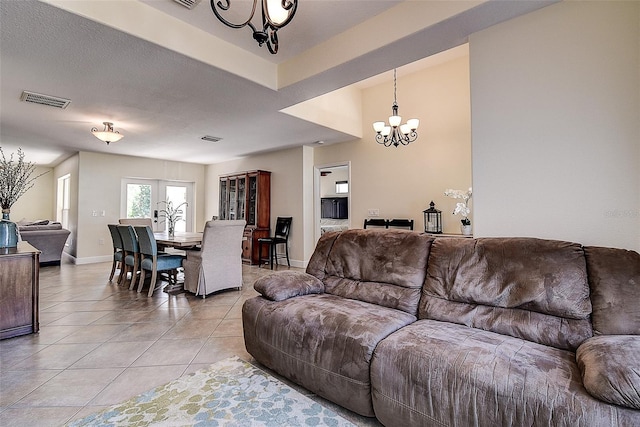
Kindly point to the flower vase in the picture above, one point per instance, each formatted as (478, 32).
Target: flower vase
(172, 230)
(466, 230)
(5, 214)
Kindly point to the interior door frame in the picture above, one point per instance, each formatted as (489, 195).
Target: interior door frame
(316, 194)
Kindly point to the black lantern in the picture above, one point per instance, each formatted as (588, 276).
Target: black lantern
(432, 219)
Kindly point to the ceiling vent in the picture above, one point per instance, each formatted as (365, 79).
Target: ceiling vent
(39, 98)
(211, 138)
(189, 4)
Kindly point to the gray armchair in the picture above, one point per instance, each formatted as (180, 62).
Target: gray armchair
(219, 264)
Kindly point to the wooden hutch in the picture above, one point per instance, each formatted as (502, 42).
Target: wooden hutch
(247, 195)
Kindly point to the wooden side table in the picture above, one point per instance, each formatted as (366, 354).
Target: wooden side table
(19, 290)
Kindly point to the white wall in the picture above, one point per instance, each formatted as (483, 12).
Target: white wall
(556, 125)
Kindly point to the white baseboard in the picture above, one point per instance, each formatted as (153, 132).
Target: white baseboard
(92, 260)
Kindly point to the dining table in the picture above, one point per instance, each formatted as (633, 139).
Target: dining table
(180, 239)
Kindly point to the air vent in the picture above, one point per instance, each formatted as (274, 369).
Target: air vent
(39, 98)
(189, 4)
(211, 138)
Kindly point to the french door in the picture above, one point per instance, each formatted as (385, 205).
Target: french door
(147, 198)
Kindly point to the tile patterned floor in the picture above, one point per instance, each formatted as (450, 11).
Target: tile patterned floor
(100, 344)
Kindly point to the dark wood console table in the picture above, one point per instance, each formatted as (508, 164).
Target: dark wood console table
(19, 287)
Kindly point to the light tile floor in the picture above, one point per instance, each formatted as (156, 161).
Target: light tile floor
(100, 344)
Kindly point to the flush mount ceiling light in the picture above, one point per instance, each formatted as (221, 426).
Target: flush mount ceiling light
(395, 133)
(275, 15)
(107, 134)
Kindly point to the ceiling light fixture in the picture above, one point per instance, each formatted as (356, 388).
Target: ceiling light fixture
(395, 133)
(108, 134)
(275, 15)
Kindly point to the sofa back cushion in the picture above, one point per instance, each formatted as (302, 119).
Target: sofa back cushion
(384, 267)
(614, 278)
(528, 288)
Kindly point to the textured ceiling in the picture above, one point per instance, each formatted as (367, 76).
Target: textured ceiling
(164, 101)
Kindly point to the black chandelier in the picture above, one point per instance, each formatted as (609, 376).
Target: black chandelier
(395, 133)
(275, 15)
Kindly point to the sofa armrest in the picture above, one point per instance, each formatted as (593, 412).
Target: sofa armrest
(610, 367)
(288, 284)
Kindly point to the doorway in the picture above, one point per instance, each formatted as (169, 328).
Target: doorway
(332, 197)
(146, 198)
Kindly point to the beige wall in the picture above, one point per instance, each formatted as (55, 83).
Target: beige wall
(286, 167)
(99, 187)
(38, 201)
(556, 116)
(401, 182)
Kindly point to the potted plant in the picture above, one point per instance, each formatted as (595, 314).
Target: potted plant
(462, 208)
(172, 215)
(15, 179)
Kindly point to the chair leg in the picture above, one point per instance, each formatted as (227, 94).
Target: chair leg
(125, 276)
(134, 274)
(152, 285)
(271, 254)
(286, 251)
(113, 269)
(141, 284)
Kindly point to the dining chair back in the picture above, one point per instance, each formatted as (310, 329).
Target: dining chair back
(281, 236)
(151, 261)
(118, 251)
(136, 221)
(131, 253)
(218, 265)
(376, 222)
(400, 223)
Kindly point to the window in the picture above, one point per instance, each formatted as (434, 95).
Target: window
(64, 200)
(342, 187)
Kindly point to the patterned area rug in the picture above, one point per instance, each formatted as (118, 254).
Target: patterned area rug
(230, 393)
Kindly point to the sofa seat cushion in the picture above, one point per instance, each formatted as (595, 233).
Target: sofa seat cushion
(322, 342)
(610, 367)
(528, 288)
(438, 373)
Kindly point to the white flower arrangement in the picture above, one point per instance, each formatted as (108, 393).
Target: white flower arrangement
(172, 215)
(462, 208)
(15, 179)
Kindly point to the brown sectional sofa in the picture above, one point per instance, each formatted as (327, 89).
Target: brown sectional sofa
(419, 331)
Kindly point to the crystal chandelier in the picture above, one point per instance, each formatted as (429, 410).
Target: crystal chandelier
(395, 133)
(107, 134)
(275, 15)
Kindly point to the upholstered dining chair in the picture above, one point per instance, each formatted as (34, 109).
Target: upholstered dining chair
(118, 251)
(281, 236)
(131, 254)
(151, 261)
(141, 222)
(218, 265)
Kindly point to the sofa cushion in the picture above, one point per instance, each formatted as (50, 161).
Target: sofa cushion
(288, 284)
(524, 287)
(322, 342)
(610, 367)
(437, 373)
(614, 277)
(381, 267)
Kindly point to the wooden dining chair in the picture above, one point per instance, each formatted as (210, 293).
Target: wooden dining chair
(376, 222)
(118, 251)
(154, 262)
(131, 254)
(400, 223)
(281, 236)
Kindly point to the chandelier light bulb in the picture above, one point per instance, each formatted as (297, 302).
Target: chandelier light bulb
(413, 123)
(395, 121)
(378, 126)
(107, 135)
